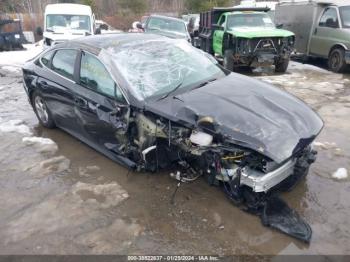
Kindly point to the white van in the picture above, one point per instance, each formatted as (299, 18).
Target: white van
(63, 22)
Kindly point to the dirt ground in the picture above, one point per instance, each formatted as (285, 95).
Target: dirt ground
(58, 196)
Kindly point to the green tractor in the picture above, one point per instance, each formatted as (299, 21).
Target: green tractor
(245, 37)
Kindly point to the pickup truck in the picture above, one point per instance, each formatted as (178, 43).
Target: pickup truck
(245, 37)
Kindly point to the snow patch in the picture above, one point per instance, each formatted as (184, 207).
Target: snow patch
(57, 164)
(341, 173)
(325, 145)
(37, 140)
(11, 69)
(17, 126)
(18, 58)
(106, 195)
(44, 145)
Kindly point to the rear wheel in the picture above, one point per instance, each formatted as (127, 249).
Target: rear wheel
(228, 60)
(336, 60)
(42, 112)
(282, 65)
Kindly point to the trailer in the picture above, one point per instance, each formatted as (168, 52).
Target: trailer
(11, 34)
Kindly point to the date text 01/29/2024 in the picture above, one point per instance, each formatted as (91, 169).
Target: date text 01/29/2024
(172, 258)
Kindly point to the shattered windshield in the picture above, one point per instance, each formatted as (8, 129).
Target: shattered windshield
(249, 20)
(157, 67)
(168, 25)
(72, 22)
(345, 16)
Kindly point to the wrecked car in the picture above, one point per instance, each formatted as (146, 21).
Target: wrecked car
(245, 36)
(167, 26)
(150, 102)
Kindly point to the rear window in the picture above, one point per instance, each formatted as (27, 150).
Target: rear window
(63, 62)
(45, 59)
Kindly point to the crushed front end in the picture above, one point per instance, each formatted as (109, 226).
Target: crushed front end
(265, 51)
(248, 178)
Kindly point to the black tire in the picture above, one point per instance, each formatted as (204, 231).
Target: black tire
(228, 60)
(282, 65)
(336, 60)
(41, 110)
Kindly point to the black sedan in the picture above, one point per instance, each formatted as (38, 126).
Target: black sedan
(149, 102)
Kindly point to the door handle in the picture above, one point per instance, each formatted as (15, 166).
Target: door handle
(80, 102)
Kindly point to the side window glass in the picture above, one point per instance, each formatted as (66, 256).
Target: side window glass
(63, 62)
(329, 18)
(223, 21)
(95, 76)
(45, 59)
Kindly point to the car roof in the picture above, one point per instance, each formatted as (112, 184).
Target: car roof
(69, 9)
(167, 17)
(95, 44)
(245, 12)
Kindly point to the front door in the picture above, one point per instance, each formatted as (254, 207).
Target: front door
(325, 33)
(99, 105)
(219, 36)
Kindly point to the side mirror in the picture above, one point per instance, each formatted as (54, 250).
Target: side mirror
(217, 27)
(104, 27)
(279, 26)
(139, 26)
(97, 31)
(39, 31)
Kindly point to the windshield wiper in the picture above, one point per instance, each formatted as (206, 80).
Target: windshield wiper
(171, 91)
(204, 83)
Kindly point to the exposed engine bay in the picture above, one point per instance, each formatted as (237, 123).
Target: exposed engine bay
(249, 179)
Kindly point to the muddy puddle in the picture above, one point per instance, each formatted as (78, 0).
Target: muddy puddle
(58, 196)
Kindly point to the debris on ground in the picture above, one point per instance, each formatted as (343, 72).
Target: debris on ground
(278, 215)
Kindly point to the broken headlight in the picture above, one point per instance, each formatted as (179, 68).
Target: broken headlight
(288, 41)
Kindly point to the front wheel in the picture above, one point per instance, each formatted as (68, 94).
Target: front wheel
(282, 65)
(336, 60)
(42, 112)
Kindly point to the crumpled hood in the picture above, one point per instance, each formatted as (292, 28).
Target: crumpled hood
(253, 32)
(247, 112)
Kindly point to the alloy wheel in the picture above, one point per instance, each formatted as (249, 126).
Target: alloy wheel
(41, 109)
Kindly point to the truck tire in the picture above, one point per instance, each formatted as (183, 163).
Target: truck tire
(282, 65)
(228, 60)
(336, 60)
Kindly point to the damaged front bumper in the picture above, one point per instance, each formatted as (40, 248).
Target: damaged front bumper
(285, 176)
(260, 182)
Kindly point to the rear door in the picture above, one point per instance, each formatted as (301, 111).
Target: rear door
(325, 32)
(100, 106)
(56, 83)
